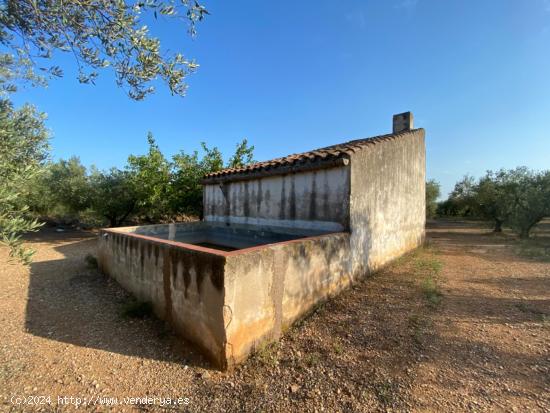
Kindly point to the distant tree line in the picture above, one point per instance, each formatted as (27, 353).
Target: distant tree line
(518, 198)
(150, 188)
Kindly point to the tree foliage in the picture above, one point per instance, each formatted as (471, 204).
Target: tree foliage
(244, 155)
(150, 175)
(519, 198)
(112, 195)
(526, 198)
(99, 34)
(69, 184)
(433, 191)
(23, 149)
(188, 170)
(489, 199)
(461, 200)
(149, 189)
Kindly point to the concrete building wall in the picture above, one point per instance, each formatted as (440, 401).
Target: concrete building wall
(231, 302)
(185, 287)
(387, 202)
(310, 200)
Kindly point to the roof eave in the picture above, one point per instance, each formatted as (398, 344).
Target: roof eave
(278, 170)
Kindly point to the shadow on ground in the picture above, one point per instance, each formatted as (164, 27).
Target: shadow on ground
(71, 303)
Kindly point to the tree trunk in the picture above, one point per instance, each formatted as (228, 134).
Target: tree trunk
(498, 225)
(524, 233)
(121, 220)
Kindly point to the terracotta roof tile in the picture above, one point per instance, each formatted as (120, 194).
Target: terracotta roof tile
(329, 154)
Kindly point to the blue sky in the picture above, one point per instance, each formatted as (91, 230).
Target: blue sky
(293, 76)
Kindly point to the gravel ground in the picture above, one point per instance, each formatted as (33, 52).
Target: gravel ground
(462, 325)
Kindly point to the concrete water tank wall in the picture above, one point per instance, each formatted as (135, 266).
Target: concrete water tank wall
(226, 302)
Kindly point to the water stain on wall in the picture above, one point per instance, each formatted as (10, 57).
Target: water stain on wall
(292, 200)
(313, 198)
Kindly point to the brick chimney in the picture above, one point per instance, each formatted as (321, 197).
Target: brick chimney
(403, 122)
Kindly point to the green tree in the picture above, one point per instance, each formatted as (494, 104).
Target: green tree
(525, 197)
(464, 194)
(67, 181)
(189, 169)
(61, 191)
(461, 201)
(38, 198)
(99, 34)
(113, 195)
(151, 176)
(244, 155)
(433, 191)
(490, 198)
(23, 149)
(188, 172)
(517, 197)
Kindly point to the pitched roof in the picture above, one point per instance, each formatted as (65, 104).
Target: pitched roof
(330, 156)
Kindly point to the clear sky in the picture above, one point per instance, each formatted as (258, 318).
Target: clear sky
(294, 76)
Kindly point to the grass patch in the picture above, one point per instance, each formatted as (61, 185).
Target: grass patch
(268, 354)
(337, 346)
(312, 359)
(428, 267)
(137, 309)
(431, 291)
(91, 261)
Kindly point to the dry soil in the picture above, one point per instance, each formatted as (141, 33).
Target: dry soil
(461, 325)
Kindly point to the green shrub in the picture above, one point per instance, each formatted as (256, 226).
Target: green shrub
(431, 291)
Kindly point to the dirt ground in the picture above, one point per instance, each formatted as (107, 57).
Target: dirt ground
(461, 325)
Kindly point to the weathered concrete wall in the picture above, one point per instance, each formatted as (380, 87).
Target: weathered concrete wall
(185, 286)
(228, 303)
(312, 200)
(268, 288)
(387, 203)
